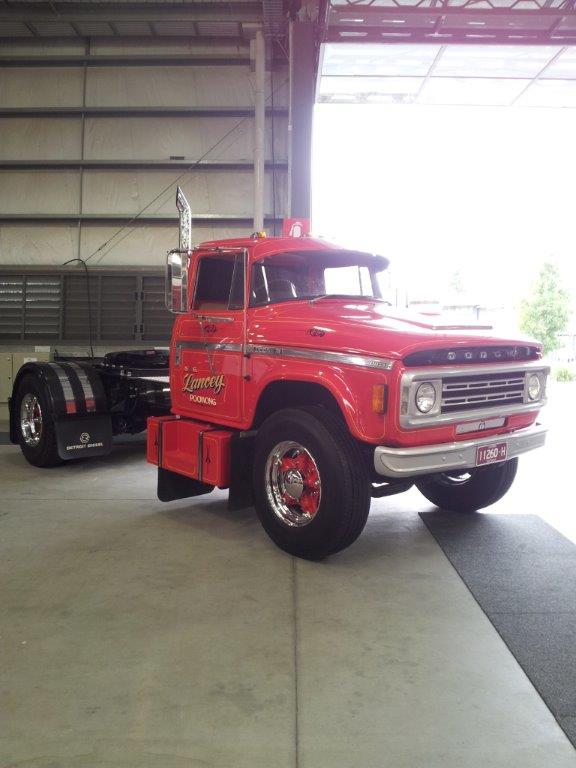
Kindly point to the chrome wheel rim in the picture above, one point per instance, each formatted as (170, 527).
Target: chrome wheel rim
(31, 419)
(293, 484)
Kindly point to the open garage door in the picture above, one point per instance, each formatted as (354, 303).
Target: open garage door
(442, 135)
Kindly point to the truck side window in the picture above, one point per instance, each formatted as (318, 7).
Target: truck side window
(220, 283)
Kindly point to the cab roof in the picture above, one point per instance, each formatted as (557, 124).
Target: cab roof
(261, 247)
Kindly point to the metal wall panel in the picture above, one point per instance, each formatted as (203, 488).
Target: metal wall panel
(41, 47)
(37, 243)
(39, 192)
(146, 138)
(145, 245)
(208, 192)
(38, 87)
(124, 138)
(219, 86)
(40, 138)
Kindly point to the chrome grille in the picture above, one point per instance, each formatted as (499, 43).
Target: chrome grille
(466, 393)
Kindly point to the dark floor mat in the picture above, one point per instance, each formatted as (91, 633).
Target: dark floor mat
(522, 573)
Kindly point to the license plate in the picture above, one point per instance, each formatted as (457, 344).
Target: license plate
(488, 454)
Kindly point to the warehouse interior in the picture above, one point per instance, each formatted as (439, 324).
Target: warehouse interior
(141, 633)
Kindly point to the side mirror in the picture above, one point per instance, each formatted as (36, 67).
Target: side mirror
(177, 260)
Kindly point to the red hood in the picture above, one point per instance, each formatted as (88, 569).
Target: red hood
(365, 327)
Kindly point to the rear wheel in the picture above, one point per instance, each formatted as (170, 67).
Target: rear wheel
(34, 423)
(470, 489)
(311, 486)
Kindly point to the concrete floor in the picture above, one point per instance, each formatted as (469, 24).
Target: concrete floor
(137, 634)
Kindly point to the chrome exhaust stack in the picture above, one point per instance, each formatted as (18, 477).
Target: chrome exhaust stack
(176, 289)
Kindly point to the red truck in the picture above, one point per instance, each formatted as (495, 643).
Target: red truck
(295, 385)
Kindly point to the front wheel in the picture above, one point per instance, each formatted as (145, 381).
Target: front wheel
(470, 489)
(311, 485)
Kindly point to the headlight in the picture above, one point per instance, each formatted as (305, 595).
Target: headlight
(425, 397)
(533, 387)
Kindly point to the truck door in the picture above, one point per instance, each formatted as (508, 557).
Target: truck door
(207, 367)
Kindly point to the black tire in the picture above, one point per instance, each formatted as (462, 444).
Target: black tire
(344, 495)
(471, 489)
(45, 452)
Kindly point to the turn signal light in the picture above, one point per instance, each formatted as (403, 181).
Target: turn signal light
(379, 398)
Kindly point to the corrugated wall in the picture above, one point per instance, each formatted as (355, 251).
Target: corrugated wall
(85, 147)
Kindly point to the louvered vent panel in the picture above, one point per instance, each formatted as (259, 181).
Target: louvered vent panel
(76, 322)
(118, 307)
(11, 306)
(51, 307)
(43, 300)
(156, 320)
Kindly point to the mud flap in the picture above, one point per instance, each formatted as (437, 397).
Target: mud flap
(84, 436)
(241, 493)
(172, 486)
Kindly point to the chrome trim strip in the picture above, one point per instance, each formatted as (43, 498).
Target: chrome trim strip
(443, 457)
(440, 372)
(345, 358)
(160, 379)
(202, 346)
(477, 415)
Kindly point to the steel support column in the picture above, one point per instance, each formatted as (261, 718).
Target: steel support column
(259, 129)
(302, 83)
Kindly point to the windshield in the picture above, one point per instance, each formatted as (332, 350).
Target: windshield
(312, 274)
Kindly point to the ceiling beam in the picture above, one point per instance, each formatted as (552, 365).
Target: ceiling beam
(236, 11)
(136, 112)
(167, 40)
(241, 58)
(128, 218)
(136, 165)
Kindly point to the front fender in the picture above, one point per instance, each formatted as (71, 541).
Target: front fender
(351, 388)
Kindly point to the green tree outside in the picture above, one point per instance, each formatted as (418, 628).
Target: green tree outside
(545, 314)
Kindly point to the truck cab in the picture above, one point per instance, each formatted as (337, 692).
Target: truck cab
(296, 385)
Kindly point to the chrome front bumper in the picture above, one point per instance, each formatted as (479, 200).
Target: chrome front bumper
(428, 459)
